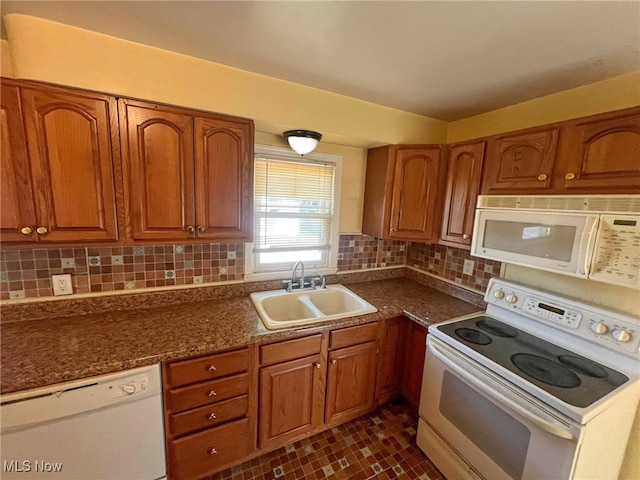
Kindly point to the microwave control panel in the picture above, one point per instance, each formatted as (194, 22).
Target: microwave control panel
(617, 252)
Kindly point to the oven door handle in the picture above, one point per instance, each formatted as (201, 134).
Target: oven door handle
(552, 428)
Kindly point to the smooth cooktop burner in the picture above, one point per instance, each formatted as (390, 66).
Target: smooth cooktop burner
(566, 375)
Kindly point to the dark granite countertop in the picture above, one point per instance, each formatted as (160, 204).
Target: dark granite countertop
(41, 352)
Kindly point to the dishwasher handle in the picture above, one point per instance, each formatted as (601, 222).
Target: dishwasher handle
(552, 427)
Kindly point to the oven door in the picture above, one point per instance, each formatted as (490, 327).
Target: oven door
(474, 421)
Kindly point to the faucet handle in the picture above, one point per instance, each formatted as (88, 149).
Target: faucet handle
(288, 285)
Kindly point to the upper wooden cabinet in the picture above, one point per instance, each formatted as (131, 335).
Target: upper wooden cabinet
(188, 174)
(67, 175)
(401, 199)
(521, 161)
(464, 170)
(602, 153)
(596, 154)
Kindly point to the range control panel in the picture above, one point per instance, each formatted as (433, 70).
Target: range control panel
(620, 332)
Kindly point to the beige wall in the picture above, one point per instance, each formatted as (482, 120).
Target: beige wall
(6, 66)
(613, 94)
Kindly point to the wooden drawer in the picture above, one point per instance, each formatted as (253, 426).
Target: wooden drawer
(196, 455)
(181, 399)
(345, 337)
(290, 350)
(209, 415)
(206, 368)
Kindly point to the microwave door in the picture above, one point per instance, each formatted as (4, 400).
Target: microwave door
(548, 241)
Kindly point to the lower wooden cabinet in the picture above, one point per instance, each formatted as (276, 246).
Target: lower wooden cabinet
(390, 359)
(415, 348)
(210, 413)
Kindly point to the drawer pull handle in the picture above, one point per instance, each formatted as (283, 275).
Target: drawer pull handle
(213, 451)
(570, 176)
(542, 177)
(212, 368)
(212, 393)
(212, 416)
(333, 361)
(316, 364)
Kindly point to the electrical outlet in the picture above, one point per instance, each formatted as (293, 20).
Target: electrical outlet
(468, 267)
(62, 284)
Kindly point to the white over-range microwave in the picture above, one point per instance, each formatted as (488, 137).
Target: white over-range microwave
(590, 236)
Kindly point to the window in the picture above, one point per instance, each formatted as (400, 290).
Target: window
(296, 210)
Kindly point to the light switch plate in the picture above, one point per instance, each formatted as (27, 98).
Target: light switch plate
(468, 267)
(62, 284)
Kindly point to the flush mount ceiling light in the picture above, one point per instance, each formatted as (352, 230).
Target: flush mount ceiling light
(302, 141)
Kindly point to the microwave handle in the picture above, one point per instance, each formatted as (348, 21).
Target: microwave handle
(587, 244)
(557, 430)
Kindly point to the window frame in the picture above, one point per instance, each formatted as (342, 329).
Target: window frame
(282, 153)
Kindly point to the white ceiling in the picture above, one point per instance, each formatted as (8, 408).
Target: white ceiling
(446, 60)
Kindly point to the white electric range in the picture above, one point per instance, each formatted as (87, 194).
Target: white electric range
(539, 386)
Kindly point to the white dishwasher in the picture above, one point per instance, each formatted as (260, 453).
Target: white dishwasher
(104, 428)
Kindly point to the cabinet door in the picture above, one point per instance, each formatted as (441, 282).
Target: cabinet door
(72, 139)
(224, 178)
(18, 214)
(520, 163)
(415, 350)
(390, 360)
(414, 203)
(350, 382)
(463, 182)
(291, 400)
(603, 155)
(159, 171)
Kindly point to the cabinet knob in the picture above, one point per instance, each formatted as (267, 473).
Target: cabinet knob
(26, 230)
(542, 177)
(190, 229)
(316, 364)
(212, 368)
(212, 416)
(333, 361)
(570, 176)
(213, 451)
(42, 230)
(465, 236)
(394, 229)
(212, 393)
(201, 228)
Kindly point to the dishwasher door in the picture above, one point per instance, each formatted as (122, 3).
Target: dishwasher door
(108, 428)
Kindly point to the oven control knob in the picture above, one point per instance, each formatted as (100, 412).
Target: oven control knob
(499, 294)
(511, 298)
(599, 328)
(621, 335)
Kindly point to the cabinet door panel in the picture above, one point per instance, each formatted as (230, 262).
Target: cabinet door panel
(415, 350)
(159, 167)
(463, 182)
(18, 209)
(72, 143)
(351, 382)
(415, 194)
(604, 155)
(224, 179)
(390, 360)
(290, 400)
(521, 163)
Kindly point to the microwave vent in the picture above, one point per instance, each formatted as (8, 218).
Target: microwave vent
(564, 203)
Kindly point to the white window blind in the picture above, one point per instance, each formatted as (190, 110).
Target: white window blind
(294, 208)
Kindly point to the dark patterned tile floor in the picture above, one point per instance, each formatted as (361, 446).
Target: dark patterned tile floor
(379, 445)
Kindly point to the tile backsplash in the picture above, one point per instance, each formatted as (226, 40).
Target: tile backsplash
(27, 273)
(448, 263)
